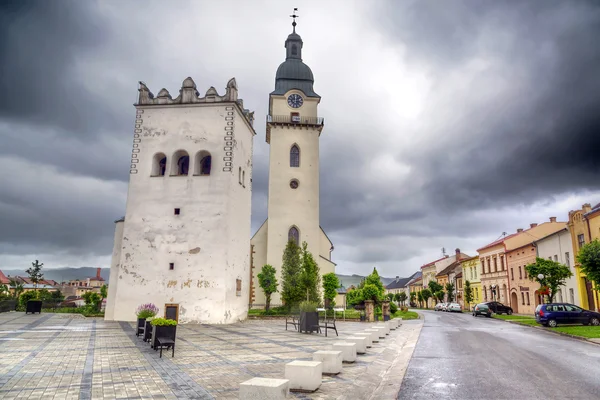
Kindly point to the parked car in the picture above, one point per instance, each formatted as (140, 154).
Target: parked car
(482, 309)
(499, 308)
(564, 313)
(444, 307)
(454, 307)
(437, 307)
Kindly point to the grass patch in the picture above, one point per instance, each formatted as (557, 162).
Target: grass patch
(513, 317)
(589, 332)
(406, 315)
(85, 311)
(530, 322)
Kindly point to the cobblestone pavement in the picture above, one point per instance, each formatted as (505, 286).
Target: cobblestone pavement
(61, 356)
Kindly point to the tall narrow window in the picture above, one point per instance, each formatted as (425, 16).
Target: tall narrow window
(244, 178)
(527, 298)
(295, 156)
(294, 50)
(520, 273)
(522, 298)
(580, 240)
(495, 264)
(512, 274)
(205, 165)
(294, 235)
(567, 259)
(202, 163)
(180, 164)
(159, 165)
(240, 175)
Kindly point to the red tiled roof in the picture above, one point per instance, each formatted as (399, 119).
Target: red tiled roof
(97, 279)
(433, 262)
(3, 278)
(501, 240)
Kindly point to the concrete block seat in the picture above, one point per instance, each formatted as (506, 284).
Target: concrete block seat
(392, 325)
(374, 334)
(348, 351)
(360, 341)
(385, 327)
(304, 376)
(264, 389)
(380, 331)
(332, 361)
(367, 336)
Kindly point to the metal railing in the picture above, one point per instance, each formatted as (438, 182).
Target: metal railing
(295, 119)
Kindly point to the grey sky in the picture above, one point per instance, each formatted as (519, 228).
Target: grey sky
(447, 123)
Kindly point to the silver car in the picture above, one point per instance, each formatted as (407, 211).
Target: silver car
(454, 307)
(438, 307)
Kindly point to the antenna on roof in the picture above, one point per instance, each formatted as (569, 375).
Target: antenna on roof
(444, 251)
(294, 16)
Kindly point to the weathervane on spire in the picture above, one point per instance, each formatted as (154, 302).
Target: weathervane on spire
(294, 16)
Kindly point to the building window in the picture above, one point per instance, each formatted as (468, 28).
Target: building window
(572, 296)
(181, 163)
(482, 261)
(580, 240)
(294, 235)
(159, 165)
(240, 176)
(294, 184)
(202, 163)
(295, 156)
(567, 259)
(524, 272)
(522, 298)
(171, 265)
(555, 258)
(512, 274)
(294, 50)
(495, 264)
(520, 273)
(484, 293)
(238, 287)
(528, 298)
(244, 178)
(177, 211)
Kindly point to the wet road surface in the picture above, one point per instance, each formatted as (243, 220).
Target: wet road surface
(459, 356)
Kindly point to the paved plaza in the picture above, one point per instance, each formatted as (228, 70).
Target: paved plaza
(61, 356)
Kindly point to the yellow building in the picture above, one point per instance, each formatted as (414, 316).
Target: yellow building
(471, 268)
(584, 226)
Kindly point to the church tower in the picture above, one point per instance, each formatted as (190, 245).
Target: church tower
(293, 131)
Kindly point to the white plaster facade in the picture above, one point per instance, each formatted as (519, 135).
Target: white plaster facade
(559, 247)
(291, 207)
(185, 238)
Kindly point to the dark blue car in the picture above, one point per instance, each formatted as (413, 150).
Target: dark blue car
(564, 313)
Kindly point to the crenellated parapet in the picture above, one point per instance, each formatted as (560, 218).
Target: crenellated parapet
(188, 94)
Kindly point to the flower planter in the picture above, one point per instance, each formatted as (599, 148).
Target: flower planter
(162, 331)
(34, 306)
(309, 321)
(147, 331)
(141, 324)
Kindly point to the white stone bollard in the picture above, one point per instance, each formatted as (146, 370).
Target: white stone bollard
(385, 327)
(392, 324)
(304, 375)
(264, 388)
(374, 334)
(381, 331)
(348, 351)
(332, 361)
(361, 343)
(367, 336)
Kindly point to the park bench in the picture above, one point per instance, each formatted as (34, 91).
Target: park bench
(327, 323)
(292, 320)
(167, 343)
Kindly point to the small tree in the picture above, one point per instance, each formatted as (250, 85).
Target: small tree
(44, 295)
(354, 297)
(268, 283)
(426, 293)
(291, 269)
(413, 296)
(435, 287)
(468, 293)
(26, 296)
(450, 291)
(35, 272)
(555, 274)
(330, 285)
(589, 259)
(390, 296)
(310, 277)
(420, 298)
(104, 291)
(439, 295)
(401, 297)
(17, 287)
(92, 299)
(374, 279)
(57, 296)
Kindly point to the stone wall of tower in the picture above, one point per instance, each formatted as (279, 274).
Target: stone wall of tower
(198, 259)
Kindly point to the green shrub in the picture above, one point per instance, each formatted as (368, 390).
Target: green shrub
(163, 322)
(393, 307)
(26, 296)
(308, 306)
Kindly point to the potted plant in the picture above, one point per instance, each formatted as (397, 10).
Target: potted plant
(144, 311)
(163, 328)
(309, 317)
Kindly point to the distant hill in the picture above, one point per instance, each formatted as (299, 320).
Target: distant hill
(349, 280)
(63, 274)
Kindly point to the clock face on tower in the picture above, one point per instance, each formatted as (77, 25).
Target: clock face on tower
(295, 101)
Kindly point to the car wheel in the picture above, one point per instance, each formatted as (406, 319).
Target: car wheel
(595, 321)
(552, 323)
(489, 315)
(509, 312)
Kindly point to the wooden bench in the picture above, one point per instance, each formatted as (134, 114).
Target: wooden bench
(292, 320)
(166, 343)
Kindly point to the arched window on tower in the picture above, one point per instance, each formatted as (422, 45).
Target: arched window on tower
(294, 50)
(159, 165)
(181, 163)
(202, 163)
(294, 235)
(294, 156)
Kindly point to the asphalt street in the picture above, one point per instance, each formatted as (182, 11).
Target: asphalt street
(459, 356)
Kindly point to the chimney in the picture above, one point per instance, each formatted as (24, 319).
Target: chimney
(98, 272)
(587, 207)
(519, 230)
(552, 219)
(457, 254)
(397, 278)
(533, 225)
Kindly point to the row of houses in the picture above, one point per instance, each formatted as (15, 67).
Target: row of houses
(70, 289)
(497, 272)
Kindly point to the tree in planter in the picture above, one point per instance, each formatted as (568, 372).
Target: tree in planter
(401, 297)
(35, 272)
(291, 291)
(426, 294)
(589, 259)
(330, 285)
(555, 274)
(468, 293)
(268, 283)
(310, 277)
(26, 296)
(450, 291)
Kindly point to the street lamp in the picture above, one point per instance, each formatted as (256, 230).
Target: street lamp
(494, 292)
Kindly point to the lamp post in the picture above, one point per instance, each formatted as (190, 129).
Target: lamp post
(541, 279)
(494, 292)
